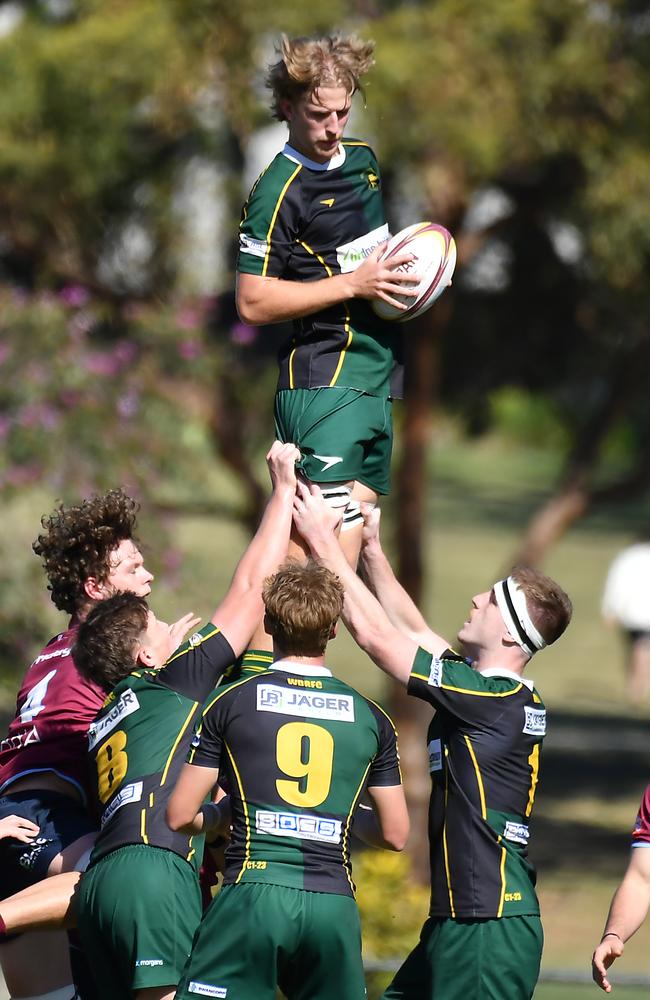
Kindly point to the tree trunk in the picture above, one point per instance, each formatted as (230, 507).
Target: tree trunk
(410, 715)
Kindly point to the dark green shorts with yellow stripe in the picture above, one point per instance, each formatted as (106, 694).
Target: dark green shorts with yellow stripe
(472, 960)
(137, 911)
(343, 434)
(255, 936)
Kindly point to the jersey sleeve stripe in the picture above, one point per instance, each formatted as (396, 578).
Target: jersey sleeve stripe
(275, 215)
(143, 826)
(182, 650)
(177, 741)
(479, 779)
(480, 694)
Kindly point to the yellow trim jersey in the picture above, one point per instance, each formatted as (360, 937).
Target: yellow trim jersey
(304, 221)
(297, 750)
(484, 746)
(139, 741)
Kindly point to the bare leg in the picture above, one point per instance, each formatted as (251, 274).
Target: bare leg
(350, 538)
(638, 672)
(36, 963)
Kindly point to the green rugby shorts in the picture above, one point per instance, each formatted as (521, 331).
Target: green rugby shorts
(343, 434)
(137, 911)
(472, 960)
(255, 936)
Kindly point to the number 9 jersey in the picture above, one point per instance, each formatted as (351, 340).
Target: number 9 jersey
(298, 747)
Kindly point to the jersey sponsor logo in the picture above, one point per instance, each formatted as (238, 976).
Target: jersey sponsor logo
(304, 682)
(196, 639)
(126, 704)
(336, 707)
(302, 825)
(205, 990)
(435, 755)
(351, 254)
(328, 201)
(20, 740)
(130, 793)
(328, 461)
(535, 724)
(148, 963)
(49, 656)
(518, 832)
(248, 244)
(435, 674)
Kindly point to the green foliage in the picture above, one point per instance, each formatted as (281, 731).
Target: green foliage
(392, 907)
(89, 399)
(527, 419)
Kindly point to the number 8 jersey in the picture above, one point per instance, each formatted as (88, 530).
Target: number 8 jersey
(298, 747)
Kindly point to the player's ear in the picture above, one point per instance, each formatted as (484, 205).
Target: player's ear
(286, 107)
(95, 589)
(335, 628)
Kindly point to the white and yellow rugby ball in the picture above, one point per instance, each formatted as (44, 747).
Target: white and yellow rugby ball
(434, 250)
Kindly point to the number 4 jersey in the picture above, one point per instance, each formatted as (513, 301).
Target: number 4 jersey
(298, 747)
(54, 708)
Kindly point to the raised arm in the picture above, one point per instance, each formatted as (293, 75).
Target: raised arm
(367, 621)
(628, 910)
(379, 575)
(274, 300)
(241, 609)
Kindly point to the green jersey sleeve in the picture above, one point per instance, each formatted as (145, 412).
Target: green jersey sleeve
(450, 683)
(271, 220)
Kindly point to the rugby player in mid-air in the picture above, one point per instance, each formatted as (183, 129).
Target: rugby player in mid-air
(298, 747)
(88, 553)
(311, 239)
(483, 938)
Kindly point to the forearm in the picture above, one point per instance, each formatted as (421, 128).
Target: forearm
(274, 300)
(629, 906)
(363, 614)
(269, 545)
(400, 608)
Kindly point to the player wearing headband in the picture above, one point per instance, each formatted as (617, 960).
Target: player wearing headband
(483, 937)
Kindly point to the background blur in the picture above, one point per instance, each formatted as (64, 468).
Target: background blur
(130, 134)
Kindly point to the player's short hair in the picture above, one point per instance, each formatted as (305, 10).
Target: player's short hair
(106, 647)
(303, 602)
(77, 543)
(548, 606)
(309, 63)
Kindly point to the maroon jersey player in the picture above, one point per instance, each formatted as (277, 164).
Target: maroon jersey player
(88, 553)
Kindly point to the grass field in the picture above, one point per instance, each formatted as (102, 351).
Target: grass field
(595, 758)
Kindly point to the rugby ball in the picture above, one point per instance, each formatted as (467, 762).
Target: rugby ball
(434, 251)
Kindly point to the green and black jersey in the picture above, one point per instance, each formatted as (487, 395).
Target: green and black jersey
(140, 738)
(298, 747)
(484, 747)
(304, 221)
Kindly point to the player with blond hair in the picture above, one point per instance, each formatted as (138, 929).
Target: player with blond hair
(311, 238)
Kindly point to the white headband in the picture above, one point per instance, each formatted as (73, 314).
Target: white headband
(514, 611)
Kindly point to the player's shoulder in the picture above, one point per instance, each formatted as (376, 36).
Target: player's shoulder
(358, 148)
(273, 178)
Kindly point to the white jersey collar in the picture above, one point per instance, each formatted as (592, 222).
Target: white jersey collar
(303, 669)
(502, 672)
(337, 160)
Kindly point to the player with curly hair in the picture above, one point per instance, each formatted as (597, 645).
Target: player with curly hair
(88, 552)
